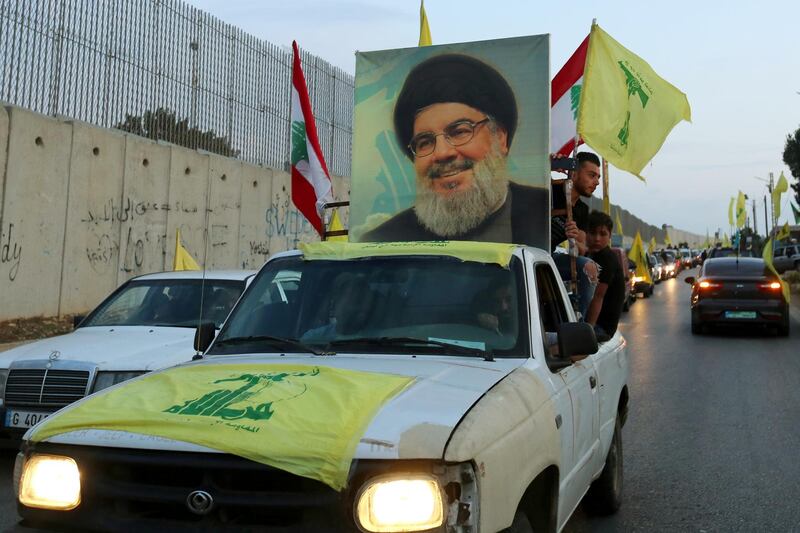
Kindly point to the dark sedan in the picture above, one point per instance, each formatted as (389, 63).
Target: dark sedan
(735, 292)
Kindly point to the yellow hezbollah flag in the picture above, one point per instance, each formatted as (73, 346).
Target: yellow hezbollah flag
(626, 109)
(730, 212)
(618, 223)
(767, 255)
(653, 244)
(667, 240)
(741, 210)
(638, 256)
(183, 259)
(303, 419)
(336, 225)
(424, 29)
(779, 189)
(726, 242)
(783, 233)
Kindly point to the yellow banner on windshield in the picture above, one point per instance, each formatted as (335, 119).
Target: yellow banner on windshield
(481, 252)
(303, 419)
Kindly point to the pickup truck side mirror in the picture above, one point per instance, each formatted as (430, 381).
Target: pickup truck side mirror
(76, 320)
(690, 280)
(576, 338)
(204, 335)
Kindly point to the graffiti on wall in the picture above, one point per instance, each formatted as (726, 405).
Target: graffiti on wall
(10, 251)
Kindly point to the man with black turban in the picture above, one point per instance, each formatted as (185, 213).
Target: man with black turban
(455, 117)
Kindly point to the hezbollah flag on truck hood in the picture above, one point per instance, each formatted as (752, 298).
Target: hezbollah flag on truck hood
(626, 109)
(303, 419)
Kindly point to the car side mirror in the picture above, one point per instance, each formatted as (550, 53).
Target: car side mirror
(204, 335)
(76, 320)
(576, 338)
(690, 280)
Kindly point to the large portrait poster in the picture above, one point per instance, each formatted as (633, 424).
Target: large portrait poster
(451, 142)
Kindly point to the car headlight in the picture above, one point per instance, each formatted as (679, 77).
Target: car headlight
(107, 379)
(50, 482)
(400, 504)
(3, 377)
(637, 279)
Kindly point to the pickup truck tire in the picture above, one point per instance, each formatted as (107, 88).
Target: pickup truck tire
(605, 493)
(521, 524)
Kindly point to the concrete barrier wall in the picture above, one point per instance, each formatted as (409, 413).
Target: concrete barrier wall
(83, 209)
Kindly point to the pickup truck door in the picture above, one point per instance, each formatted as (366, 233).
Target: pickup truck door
(579, 431)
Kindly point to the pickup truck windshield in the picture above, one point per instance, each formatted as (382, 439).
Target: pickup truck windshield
(172, 303)
(421, 305)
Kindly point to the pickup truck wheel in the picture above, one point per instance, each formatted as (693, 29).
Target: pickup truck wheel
(605, 494)
(521, 524)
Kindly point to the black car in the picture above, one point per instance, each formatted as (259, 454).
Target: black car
(737, 292)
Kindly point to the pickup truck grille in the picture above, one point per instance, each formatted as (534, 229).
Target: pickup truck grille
(50, 388)
(144, 490)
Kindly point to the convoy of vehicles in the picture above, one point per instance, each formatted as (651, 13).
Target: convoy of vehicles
(737, 291)
(148, 323)
(786, 257)
(513, 417)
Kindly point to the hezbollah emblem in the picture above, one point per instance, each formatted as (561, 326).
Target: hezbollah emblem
(254, 399)
(635, 87)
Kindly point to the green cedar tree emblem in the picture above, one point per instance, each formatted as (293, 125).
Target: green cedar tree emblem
(299, 147)
(575, 99)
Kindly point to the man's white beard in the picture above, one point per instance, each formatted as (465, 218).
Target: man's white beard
(463, 211)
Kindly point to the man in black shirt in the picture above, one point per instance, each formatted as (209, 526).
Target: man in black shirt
(606, 306)
(584, 182)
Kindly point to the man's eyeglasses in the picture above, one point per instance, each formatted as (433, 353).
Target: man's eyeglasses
(456, 134)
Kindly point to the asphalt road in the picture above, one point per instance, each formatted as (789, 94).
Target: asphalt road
(713, 433)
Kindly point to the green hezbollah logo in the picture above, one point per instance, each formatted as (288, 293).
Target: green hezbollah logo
(241, 403)
(636, 86)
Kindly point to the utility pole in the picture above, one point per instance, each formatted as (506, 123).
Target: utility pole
(766, 221)
(755, 220)
(771, 210)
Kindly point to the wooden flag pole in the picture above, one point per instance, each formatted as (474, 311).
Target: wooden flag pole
(606, 199)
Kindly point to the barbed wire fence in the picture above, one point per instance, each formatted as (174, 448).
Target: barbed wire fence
(166, 70)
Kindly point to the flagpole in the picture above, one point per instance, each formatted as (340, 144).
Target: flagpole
(606, 199)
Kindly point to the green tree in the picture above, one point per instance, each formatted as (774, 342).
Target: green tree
(791, 156)
(164, 125)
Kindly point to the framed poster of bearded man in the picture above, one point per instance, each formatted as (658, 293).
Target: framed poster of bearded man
(450, 142)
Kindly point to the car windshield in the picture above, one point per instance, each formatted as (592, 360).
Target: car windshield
(167, 302)
(422, 305)
(731, 267)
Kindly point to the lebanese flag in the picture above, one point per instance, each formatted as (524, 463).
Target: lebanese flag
(311, 183)
(565, 94)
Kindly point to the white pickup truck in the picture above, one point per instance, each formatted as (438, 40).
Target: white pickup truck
(512, 417)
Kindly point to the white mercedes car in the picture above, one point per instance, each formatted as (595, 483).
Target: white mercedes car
(148, 323)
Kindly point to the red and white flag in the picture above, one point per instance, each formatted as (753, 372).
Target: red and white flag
(311, 183)
(566, 95)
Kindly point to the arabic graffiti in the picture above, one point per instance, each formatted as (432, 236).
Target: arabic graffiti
(240, 403)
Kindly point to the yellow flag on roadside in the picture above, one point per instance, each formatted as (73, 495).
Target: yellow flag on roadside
(653, 244)
(667, 240)
(424, 29)
(336, 225)
(726, 241)
(183, 259)
(783, 233)
(767, 256)
(638, 256)
(618, 223)
(626, 109)
(781, 187)
(730, 212)
(303, 419)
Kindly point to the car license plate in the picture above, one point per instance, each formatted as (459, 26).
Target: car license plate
(23, 419)
(740, 314)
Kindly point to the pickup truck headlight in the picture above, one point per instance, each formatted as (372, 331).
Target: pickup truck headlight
(386, 504)
(107, 379)
(50, 482)
(3, 377)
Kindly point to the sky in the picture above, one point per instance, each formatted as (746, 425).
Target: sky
(737, 61)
